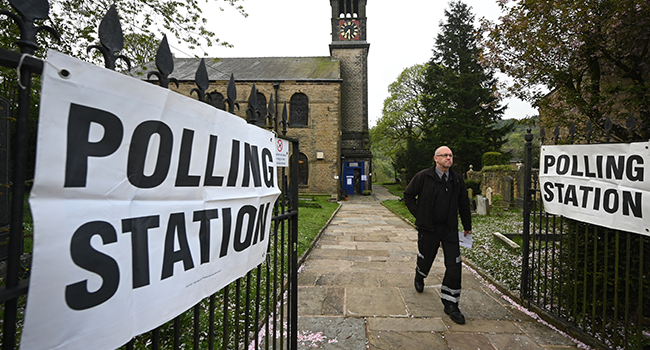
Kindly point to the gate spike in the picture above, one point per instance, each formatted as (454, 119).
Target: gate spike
(608, 128)
(631, 123)
(164, 64)
(202, 81)
(252, 111)
(232, 95)
(28, 12)
(111, 39)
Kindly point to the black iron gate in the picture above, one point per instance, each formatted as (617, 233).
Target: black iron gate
(591, 280)
(258, 310)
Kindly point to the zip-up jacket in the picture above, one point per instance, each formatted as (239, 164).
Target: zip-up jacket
(423, 190)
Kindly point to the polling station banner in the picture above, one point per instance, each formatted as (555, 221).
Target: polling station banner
(144, 202)
(603, 184)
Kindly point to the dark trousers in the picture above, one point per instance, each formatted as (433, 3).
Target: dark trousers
(428, 243)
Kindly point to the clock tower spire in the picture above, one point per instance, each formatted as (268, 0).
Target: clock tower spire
(350, 48)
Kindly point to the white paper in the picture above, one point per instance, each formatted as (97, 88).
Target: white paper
(465, 241)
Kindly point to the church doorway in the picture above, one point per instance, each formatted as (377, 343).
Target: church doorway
(354, 177)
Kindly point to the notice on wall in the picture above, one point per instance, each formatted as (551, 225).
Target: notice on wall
(603, 184)
(144, 202)
(281, 152)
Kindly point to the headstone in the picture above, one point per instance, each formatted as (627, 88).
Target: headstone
(488, 195)
(481, 205)
(508, 195)
(470, 193)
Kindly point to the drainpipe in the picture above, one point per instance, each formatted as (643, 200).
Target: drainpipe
(276, 87)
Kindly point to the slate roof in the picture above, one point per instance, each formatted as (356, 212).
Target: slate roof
(258, 69)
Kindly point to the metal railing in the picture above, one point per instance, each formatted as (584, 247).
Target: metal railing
(258, 310)
(590, 279)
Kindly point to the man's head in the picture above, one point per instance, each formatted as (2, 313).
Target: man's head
(444, 158)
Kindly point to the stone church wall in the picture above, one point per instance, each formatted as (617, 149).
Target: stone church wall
(321, 136)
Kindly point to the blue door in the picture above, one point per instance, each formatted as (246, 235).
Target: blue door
(353, 172)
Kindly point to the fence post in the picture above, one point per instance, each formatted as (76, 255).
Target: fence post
(527, 207)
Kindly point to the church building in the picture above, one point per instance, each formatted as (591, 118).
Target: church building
(326, 99)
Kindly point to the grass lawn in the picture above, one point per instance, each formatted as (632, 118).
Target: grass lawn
(312, 219)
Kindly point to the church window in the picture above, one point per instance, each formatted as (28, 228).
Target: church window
(261, 104)
(303, 170)
(216, 99)
(299, 110)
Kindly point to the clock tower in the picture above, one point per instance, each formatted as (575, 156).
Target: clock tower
(350, 48)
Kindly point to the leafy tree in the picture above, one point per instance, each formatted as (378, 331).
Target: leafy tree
(461, 98)
(402, 122)
(143, 22)
(593, 55)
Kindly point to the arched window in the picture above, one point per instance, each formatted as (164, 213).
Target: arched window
(299, 110)
(216, 99)
(261, 105)
(303, 170)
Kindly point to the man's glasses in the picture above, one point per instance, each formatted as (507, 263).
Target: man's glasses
(445, 155)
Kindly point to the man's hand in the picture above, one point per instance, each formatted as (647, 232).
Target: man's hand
(468, 233)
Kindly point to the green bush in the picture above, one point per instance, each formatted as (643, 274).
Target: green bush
(474, 185)
(496, 168)
(492, 158)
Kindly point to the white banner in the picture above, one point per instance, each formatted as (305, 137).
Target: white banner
(603, 184)
(144, 201)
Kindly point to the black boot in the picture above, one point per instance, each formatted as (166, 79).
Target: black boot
(419, 283)
(454, 313)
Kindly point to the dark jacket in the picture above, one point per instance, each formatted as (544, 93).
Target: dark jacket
(420, 198)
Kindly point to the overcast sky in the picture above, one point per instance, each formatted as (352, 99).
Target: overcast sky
(399, 37)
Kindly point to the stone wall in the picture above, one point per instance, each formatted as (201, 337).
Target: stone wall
(320, 136)
(494, 179)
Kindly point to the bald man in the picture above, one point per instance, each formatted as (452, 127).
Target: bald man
(436, 196)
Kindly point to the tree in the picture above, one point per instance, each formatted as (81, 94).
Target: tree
(592, 55)
(461, 98)
(399, 130)
(142, 21)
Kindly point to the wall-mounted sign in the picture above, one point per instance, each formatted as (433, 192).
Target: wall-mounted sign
(281, 152)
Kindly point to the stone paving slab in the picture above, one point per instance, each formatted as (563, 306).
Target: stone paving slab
(356, 292)
(468, 341)
(369, 302)
(406, 324)
(378, 340)
(335, 333)
(514, 342)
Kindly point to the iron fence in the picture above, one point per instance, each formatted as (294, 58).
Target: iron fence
(258, 310)
(590, 279)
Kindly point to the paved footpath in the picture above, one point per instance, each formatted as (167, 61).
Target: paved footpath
(356, 292)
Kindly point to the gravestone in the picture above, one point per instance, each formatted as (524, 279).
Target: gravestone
(508, 195)
(472, 203)
(488, 195)
(5, 167)
(481, 205)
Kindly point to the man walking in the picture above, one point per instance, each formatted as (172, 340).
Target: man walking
(436, 196)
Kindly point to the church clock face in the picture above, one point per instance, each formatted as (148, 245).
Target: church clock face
(349, 30)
